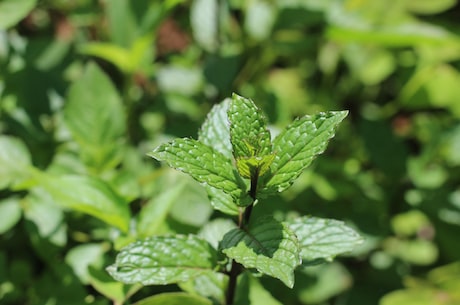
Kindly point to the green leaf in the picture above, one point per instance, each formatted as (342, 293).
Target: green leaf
(254, 166)
(203, 163)
(174, 298)
(269, 246)
(164, 260)
(95, 116)
(13, 11)
(323, 239)
(10, 213)
(210, 285)
(88, 195)
(215, 131)
(14, 161)
(222, 201)
(297, 146)
(204, 18)
(82, 256)
(248, 129)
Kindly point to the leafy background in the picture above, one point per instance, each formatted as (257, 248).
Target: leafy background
(87, 88)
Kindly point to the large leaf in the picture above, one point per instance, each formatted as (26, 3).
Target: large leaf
(12, 11)
(323, 239)
(88, 195)
(174, 298)
(248, 129)
(215, 131)
(14, 161)
(164, 260)
(297, 146)
(95, 116)
(203, 163)
(268, 246)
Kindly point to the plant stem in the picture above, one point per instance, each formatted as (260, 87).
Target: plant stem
(243, 221)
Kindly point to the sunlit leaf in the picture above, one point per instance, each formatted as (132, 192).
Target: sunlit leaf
(164, 260)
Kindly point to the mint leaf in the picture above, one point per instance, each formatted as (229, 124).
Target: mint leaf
(174, 298)
(215, 131)
(269, 246)
(204, 164)
(297, 146)
(164, 260)
(248, 129)
(88, 195)
(322, 239)
(15, 161)
(222, 201)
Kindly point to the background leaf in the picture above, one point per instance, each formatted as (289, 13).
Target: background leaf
(268, 246)
(88, 195)
(297, 146)
(12, 11)
(323, 239)
(174, 298)
(14, 161)
(163, 260)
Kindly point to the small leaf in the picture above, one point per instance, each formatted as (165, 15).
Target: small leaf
(248, 129)
(222, 201)
(202, 163)
(323, 239)
(10, 213)
(174, 298)
(14, 161)
(164, 260)
(88, 195)
(13, 11)
(215, 131)
(254, 166)
(297, 146)
(269, 246)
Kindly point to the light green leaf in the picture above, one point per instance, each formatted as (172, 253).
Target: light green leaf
(203, 163)
(13, 11)
(10, 213)
(164, 260)
(248, 129)
(297, 146)
(82, 256)
(222, 201)
(215, 131)
(254, 166)
(268, 246)
(204, 18)
(174, 298)
(322, 239)
(214, 231)
(88, 195)
(210, 285)
(95, 116)
(14, 161)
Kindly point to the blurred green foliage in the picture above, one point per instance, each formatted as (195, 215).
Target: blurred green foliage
(88, 87)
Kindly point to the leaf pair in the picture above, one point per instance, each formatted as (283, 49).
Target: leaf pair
(273, 167)
(271, 247)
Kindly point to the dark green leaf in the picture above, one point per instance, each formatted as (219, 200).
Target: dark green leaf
(297, 146)
(268, 246)
(164, 260)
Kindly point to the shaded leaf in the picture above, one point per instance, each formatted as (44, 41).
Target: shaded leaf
(268, 246)
(297, 145)
(164, 260)
(202, 163)
(174, 298)
(323, 239)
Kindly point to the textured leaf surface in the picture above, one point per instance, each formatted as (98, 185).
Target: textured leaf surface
(164, 260)
(298, 145)
(323, 239)
(248, 129)
(202, 163)
(215, 131)
(88, 195)
(174, 298)
(269, 246)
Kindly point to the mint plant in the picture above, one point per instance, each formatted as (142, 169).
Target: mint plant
(239, 165)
